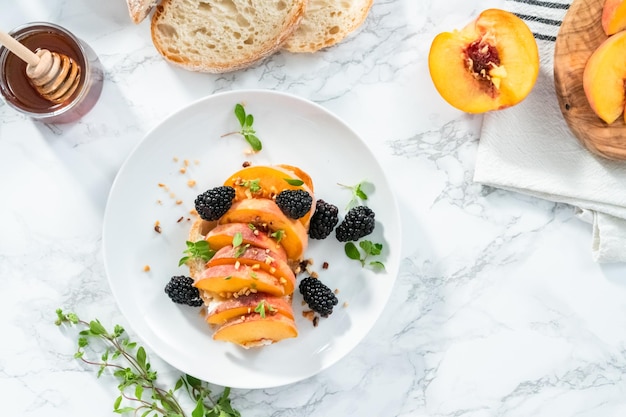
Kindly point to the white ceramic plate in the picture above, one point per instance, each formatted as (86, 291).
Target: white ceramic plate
(293, 131)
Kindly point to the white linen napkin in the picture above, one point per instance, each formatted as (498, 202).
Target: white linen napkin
(529, 148)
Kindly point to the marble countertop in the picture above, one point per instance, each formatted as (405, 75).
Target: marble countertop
(498, 309)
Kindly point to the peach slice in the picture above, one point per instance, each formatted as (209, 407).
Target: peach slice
(266, 215)
(613, 16)
(257, 258)
(241, 306)
(223, 235)
(490, 64)
(268, 181)
(604, 76)
(252, 330)
(234, 280)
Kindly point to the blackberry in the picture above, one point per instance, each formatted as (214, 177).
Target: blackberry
(294, 203)
(214, 203)
(318, 296)
(180, 289)
(324, 220)
(359, 222)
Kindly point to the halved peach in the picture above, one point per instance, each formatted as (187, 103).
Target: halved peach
(235, 280)
(262, 181)
(252, 330)
(490, 64)
(604, 77)
(265, 214)
(241, 306)
(613, 16)
(269, 261)
(223, 235)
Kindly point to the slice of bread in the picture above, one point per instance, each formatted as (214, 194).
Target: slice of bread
(222, 35)
(139, 9)
(327, 22)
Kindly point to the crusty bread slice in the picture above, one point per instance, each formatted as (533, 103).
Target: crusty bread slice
(222, 35)
(327, 22)
(139, 9)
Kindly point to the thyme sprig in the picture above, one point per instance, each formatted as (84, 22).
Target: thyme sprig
(139, 392)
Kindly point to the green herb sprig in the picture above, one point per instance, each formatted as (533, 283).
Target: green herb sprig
(197, 250)
(246, 122)
(368, 249)
(139, 392)
(262, 307)
(358, 192)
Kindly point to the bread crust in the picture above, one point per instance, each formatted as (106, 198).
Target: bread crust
(139, 9)
(166, 36)
(326, 23)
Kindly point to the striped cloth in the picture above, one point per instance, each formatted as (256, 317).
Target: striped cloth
(530, 149)
(543, 17)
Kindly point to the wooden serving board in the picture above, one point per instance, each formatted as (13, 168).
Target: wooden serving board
(579, 36)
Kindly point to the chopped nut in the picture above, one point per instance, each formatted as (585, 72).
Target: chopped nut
(325, 265)
(336, 291)
(172, 195)
(314, 274)
(246, 164)
(175, 159)
(179, 202)
(345, 304)
(316, 320)
(186, 162)
(191, 183)
(146, 268)
(157, 226)
(182, 170)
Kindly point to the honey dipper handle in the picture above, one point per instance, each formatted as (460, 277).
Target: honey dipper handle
(18, 49)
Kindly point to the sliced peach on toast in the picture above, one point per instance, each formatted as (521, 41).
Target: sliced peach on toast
(253, 330)
(257, 258)
(265, 214)
(264, 304)
(223, 235)
(234, 280)
(490, 64)
(264, 181)
(604, 76)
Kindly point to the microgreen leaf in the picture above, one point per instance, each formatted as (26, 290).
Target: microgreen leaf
(260, 308)
(240, 113)
(253, 185)
(278, 235)
(246, 121)
(352, 252)
(368, 249)
(241, 250)
(358, 191)
(237, 239)
(197, 250)
(294, 181)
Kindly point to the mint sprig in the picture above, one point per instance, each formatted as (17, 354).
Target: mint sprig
(139, 392)
(368, 249)
(246, 121)
(359, 193)
(197, 250)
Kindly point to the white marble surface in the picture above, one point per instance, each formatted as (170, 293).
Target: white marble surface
(498, 308)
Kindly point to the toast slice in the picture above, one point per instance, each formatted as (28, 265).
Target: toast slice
(327, 22)
(219, 36)
(139, 9)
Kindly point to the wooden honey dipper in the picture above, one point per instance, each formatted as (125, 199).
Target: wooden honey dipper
(55, 76)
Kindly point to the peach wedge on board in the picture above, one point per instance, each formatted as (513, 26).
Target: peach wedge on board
(604, 76)
(490, 64)
(613, 16)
